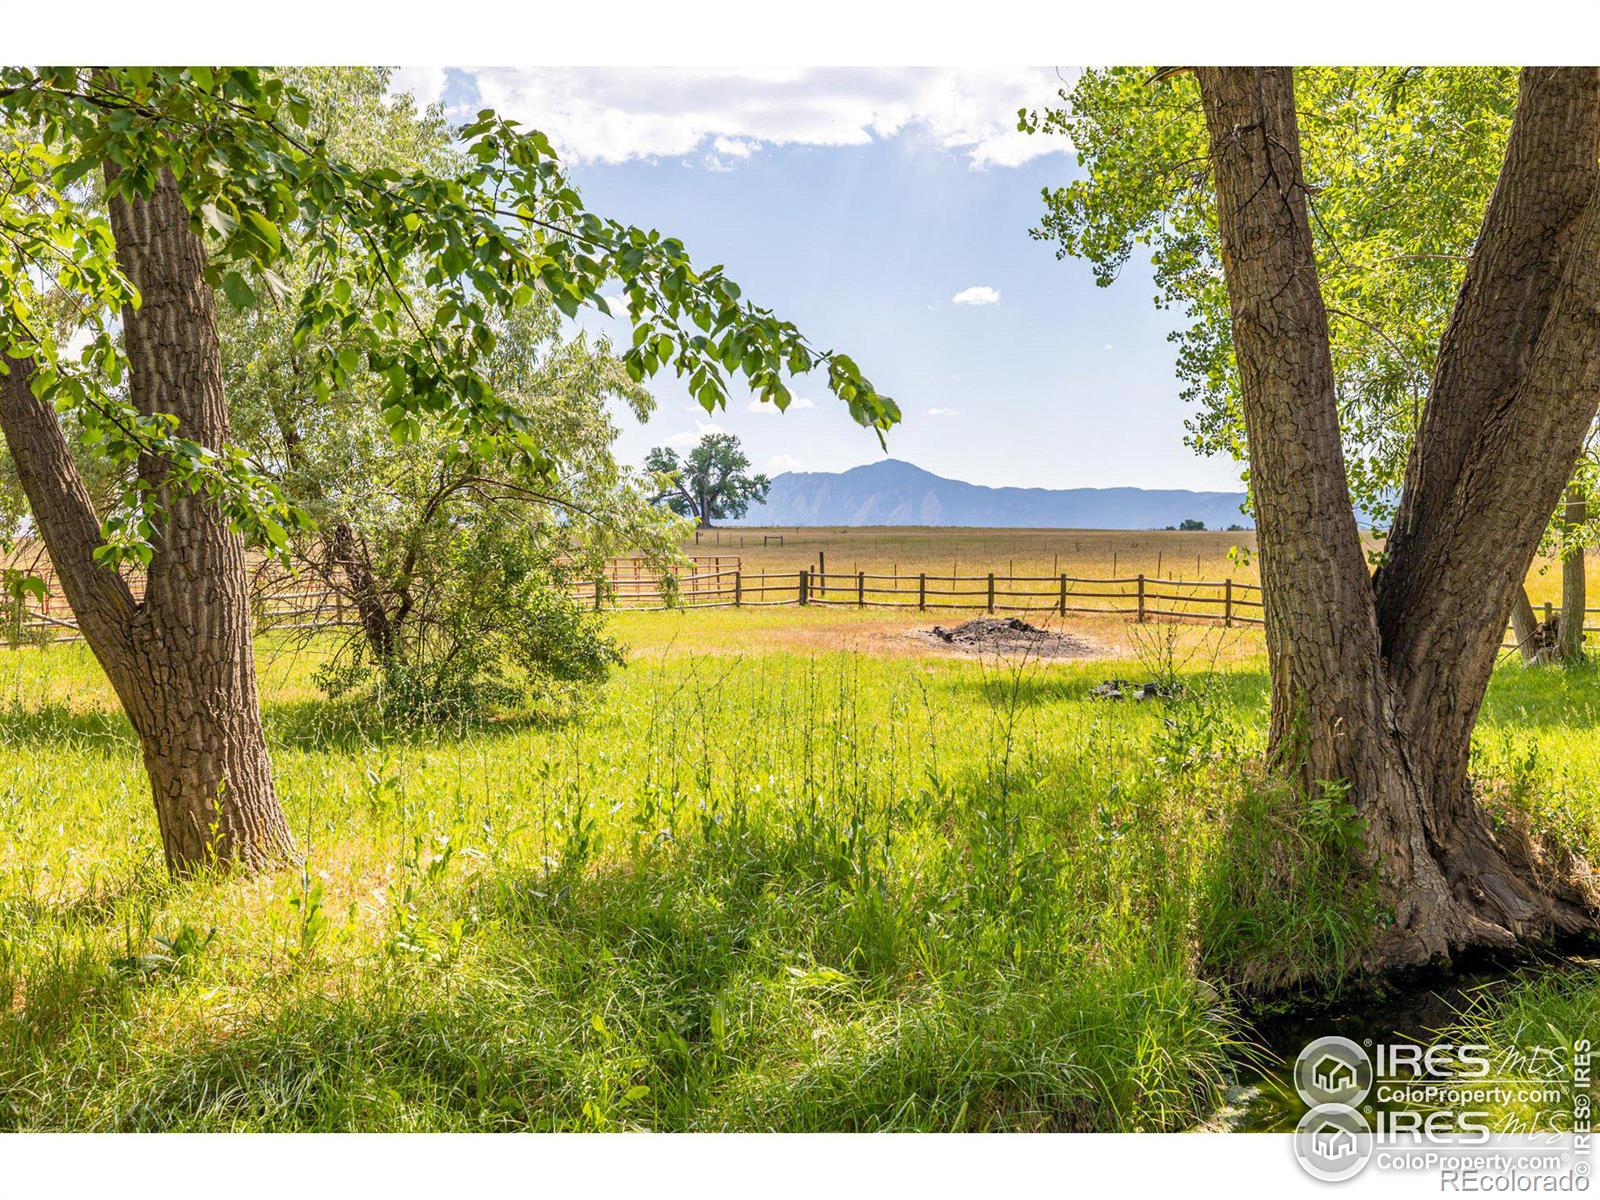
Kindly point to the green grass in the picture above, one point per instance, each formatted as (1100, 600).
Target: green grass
(742, 891)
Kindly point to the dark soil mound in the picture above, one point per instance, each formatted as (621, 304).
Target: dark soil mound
(1010, 635)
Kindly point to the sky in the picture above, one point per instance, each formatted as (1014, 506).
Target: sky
(886, 212)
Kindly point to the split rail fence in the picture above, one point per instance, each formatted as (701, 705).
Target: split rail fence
(1138, 596)
(1227, 602)
(284, 601)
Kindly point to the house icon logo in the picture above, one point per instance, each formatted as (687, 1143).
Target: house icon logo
(1333, 1142)
(1333, 1070)
(1333, 1074)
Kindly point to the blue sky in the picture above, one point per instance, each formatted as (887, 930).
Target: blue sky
(886, 213)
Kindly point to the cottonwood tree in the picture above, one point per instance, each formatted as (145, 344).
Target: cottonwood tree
(453, 563)
(1377, 680)
(710, 483)
(1394, 221)
(203, 171)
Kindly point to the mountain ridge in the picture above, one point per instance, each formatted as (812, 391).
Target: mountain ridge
(895, 492)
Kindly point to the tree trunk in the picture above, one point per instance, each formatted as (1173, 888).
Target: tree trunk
(181, 660)
(347, 557)
(191, 692)
(1573, 584)
(1525, 626)
(1376, 684)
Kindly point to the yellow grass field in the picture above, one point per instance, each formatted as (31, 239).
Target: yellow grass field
(1088, 553)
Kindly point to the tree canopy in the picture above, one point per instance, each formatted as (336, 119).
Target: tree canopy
(286, 216)
(1399, 164)
(712, 482)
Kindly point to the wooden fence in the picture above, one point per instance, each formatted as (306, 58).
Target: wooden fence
(1138, 596)
(284, 601)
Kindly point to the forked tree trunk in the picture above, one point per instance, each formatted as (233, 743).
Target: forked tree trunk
(1573, 584)
(1377, 683)
(180, 660)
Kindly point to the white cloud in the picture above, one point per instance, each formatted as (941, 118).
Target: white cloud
(425, 83)
(976, 295)
(1108, 345)
(779, 463)
(941, 412)
(692, 438)
(612, 114)
(759, 405)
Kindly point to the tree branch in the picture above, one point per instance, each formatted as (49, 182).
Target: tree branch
(62, 509)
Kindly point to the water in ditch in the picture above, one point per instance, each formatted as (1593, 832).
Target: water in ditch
(1263, 1097)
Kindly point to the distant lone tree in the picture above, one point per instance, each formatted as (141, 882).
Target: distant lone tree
(1189, 524)
(710, 483)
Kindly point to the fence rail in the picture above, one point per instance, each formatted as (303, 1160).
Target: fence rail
(1226, 601)
(284, 601)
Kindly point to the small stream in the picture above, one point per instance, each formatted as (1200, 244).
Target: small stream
(1263, 1098)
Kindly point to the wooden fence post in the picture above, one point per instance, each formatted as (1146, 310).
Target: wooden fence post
(805, 586)
(822, 570)
(1063, 603)
(861, 589)
(991, 591)
(1140, 617)
(738, 587)
(922, 592)
(1227, 603)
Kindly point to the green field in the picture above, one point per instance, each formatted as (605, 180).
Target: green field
(759, 883)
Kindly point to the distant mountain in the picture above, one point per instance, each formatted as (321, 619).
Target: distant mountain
(897, 493)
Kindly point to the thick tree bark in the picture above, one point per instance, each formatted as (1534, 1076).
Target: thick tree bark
(1376, 684)
(181, 659)
(193, 699)
(1574, 586)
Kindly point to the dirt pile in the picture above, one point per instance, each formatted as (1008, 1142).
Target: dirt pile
(1010, 635)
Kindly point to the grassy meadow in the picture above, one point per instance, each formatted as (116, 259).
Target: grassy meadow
(789, 870)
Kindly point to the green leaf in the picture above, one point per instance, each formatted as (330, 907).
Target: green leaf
(238, 290)
(265, 230)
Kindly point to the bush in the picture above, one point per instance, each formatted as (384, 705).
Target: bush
(493, 626)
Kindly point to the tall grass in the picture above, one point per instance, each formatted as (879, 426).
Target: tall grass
(779, 891)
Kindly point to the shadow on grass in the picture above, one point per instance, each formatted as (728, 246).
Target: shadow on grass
(350, 725)
(1242, 690)
(55, 724)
